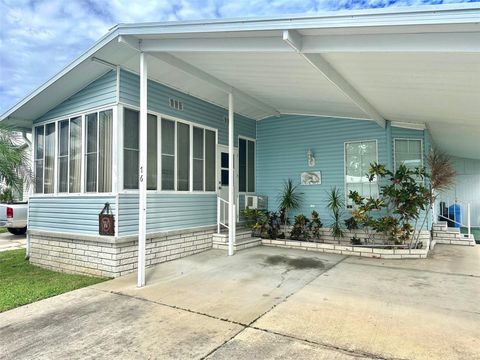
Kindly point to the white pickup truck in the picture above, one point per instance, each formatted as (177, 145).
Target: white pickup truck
(14, 217)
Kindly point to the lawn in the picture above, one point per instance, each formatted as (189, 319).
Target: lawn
(2, 230)
(22, 283)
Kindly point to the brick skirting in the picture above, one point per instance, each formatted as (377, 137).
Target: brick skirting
(109, 256)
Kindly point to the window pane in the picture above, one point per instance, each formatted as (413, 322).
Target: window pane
(91, 133)
(39, 176)
(408, 152)
(152, 152)
(91, 153)
(49, 158)
(63, 138)
(131, 129)
(197, 143)
(91, 172)
(168, 137)
(75, 154)
(168, 163)
(251, 166)
(224, 160)
(39, 159)
(183, 157)
(224, 177)
(358, 157)
(131, 133)
(63, 135)
(130, 169)
(210, 157)
(197, 174)
(242, 165)
(197, 159)
(105, 148)
(62, 173)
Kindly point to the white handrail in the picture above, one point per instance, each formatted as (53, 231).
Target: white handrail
(454, 218)
(222, 209)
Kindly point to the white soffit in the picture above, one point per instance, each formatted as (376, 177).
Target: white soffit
(413, 87)
(285, 81)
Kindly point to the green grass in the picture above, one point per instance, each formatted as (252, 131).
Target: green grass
(2, 230)
(22, 283)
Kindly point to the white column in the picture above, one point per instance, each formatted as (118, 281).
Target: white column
(231, 176)
(142, 172)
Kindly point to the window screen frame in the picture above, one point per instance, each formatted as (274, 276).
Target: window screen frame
(160, 117)
(247, 140)
(347, 205)
(422, 151)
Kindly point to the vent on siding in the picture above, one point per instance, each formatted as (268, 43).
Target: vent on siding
(176, 104)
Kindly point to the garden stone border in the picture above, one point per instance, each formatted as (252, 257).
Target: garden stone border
(361, 251)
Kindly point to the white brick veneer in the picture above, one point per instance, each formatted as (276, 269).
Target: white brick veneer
(110, 256)
(328, 244)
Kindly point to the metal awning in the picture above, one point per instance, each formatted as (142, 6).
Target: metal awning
(417, 66)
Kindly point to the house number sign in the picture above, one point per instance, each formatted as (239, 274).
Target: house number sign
(106, 221)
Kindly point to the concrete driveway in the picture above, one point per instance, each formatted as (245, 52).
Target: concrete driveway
(12, 242)
(264, 303)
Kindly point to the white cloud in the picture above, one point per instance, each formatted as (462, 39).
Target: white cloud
(39, 37)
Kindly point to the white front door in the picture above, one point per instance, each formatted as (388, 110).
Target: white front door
(223, 178)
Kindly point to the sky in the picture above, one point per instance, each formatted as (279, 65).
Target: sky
(38, 38)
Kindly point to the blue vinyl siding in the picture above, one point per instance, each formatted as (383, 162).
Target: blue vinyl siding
(67, 214)
(101, 92)
(282, 144)
(167, 212)
(194, 109)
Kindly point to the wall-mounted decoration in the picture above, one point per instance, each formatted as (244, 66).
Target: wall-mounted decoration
(310, 158)
(311, 178)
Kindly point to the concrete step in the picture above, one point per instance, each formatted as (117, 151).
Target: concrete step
(241, 233)
(240, 244)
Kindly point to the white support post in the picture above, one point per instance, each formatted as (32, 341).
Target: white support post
(142, 172)
(231, 176)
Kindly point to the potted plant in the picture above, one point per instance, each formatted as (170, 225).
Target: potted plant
(289, 199)
(335, 205)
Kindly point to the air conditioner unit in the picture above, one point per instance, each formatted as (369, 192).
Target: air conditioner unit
(256, 202)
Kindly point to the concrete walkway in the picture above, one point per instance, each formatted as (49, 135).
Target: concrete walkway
(12, 242)
(264, 303)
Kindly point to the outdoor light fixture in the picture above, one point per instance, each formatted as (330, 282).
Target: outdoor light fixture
(310, 158)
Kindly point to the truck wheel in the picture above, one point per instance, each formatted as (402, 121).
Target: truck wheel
(17, 231)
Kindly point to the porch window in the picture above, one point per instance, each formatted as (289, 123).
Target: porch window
(69, 156)
(358, 157)
(98, 153)
(408, 152)
(183, 157)
(49, 178)
(39, 161)
(210, 158)
(58, 154)
(168, 154)
(131, 138)
(246, 165)
(198, 158)
(152, 146)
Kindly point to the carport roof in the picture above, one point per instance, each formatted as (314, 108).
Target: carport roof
(419, 66)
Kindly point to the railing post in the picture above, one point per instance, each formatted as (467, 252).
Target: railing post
(468, 219)
(218, 214)
(234, 231)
